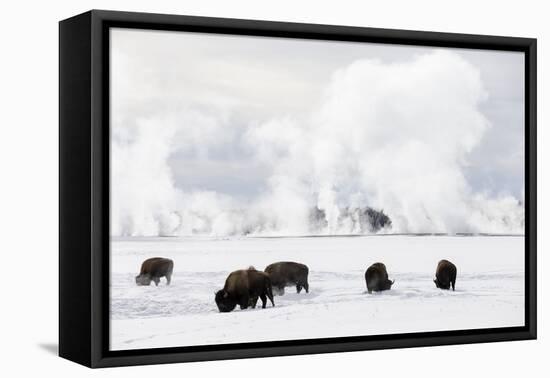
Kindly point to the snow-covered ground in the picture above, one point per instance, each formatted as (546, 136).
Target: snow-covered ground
(489, 290)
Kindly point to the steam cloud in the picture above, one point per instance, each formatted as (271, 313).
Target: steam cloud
(392, 137)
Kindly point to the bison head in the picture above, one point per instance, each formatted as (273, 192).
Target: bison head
(143, 280)
(387, 285)
(224, 302)
(441, 285)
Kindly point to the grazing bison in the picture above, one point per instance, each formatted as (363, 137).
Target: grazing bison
(376, 277)
(243, 287)
(153, 269)
(445, 275)
(286, 273)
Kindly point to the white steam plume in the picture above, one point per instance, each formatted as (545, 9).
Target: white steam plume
(394, 136)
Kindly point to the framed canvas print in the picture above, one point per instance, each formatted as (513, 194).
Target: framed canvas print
(235, 188)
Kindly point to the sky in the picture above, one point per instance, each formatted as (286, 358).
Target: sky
(206, 125)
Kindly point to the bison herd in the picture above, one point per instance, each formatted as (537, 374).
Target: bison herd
(244, 287)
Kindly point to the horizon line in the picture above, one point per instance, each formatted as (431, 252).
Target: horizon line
(418, 234)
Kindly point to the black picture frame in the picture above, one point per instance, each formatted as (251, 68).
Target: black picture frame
(84, 187)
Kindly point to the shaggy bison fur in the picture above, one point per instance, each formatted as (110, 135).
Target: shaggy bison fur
(287, 273)
(243, 287)
(445, 275)
(153, 269)
(376, 278)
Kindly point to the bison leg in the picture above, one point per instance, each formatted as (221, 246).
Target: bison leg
(306, 286)
(264, 300)
(156, 280)
(168, 279)
(244, 302)
(453, 279)
(270, 295)
(253, 302)
(298, 289)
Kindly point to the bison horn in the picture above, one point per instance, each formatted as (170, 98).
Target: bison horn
(393, 282)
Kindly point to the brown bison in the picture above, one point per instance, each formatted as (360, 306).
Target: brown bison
(445, 275)
(243, 287)
(153, 269)
(287, 273)
(376, 277)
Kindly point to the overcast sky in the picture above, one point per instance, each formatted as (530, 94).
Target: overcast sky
(208, 95)
(239, 80)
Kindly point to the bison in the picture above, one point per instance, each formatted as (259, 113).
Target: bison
(153, 269)
(376, 278)
(287, 273)
(243, 287)
(445, 275)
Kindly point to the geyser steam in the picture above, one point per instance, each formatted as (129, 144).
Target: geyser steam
(392, 137)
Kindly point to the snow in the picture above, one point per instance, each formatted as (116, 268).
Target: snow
(489, 290)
